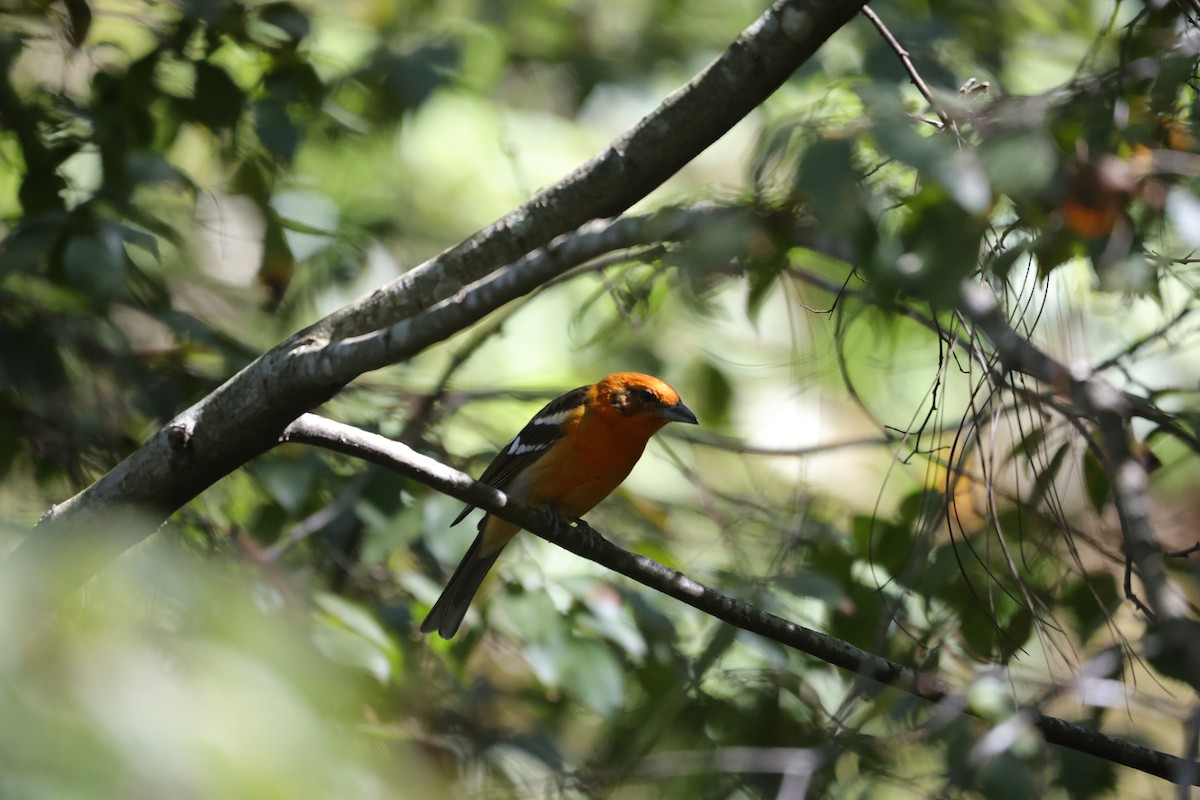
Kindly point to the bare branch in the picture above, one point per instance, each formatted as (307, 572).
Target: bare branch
(633, 165)
(909, 66)
(244, 417)
(345, 359)
(1100, 400)
(584, 541)
(232, 425)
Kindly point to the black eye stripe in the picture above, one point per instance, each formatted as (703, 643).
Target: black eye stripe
(644, 394)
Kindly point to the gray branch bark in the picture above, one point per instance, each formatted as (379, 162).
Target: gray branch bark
(245, 417)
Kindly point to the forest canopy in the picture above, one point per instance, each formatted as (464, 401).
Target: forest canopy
(925, 273)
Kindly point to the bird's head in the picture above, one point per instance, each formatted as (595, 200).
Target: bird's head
(644, 398)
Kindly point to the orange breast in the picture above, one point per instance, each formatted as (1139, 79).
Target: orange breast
(574, 479)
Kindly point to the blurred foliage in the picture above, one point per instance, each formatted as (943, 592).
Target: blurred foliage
(183, 184)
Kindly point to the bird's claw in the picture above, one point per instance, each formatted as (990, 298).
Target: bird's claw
(558, 522)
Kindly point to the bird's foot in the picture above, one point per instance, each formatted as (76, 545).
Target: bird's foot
(581, 533)
(561, 524)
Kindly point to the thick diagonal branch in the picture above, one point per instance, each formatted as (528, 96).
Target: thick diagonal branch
(245, 417)
(633, 165)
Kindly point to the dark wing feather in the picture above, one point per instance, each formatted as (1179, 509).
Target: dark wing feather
(530, 444)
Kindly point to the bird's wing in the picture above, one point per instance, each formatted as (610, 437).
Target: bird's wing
(538, 436)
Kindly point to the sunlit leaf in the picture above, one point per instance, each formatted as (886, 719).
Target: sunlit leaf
(348, 635)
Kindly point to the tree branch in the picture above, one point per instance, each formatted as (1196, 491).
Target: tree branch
(1100, 400)
(244, 417)
(633, 165)
(1173, 632)
(909, 66)
(584, 541)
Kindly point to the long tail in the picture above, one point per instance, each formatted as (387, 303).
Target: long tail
(448, 612)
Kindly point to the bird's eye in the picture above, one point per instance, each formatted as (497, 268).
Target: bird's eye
(645, 395)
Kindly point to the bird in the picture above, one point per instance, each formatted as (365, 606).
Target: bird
(570, 456)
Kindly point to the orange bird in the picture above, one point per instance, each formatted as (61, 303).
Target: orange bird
(569, 457)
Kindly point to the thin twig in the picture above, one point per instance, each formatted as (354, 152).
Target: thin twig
(316, 521)
(1149, 338)
(909, 67)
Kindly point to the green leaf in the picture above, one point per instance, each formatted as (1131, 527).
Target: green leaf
(347, 634)
(1007, 777)
(1047, 475)
(978, 631)
(1084, 776)
(883, 544)
(612, 623)
(715, 395)
(278, 262)
(1002, 264)
(1168, 648)
(1021, 165)
(407, 80)
(1028, 445)
(275, 129)
(10, 437)
(762, 275)
(1053, 250)
(957, 171)
(295, 83)
(288, 480)
(942, 244)
(531, 616)
(1092, 598)
(281, 24)
(829, 184)
(1095, 480)
(594, 676)
(1015, 634)
(354, 618)
(917, 507)
(217, 101)
(814, 585)
(79, 15)
(94, 263)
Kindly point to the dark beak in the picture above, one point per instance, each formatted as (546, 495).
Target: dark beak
(679, 413)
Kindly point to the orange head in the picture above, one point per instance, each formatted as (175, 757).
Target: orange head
(643, 399)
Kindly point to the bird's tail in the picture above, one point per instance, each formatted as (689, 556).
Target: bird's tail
(448, 612)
